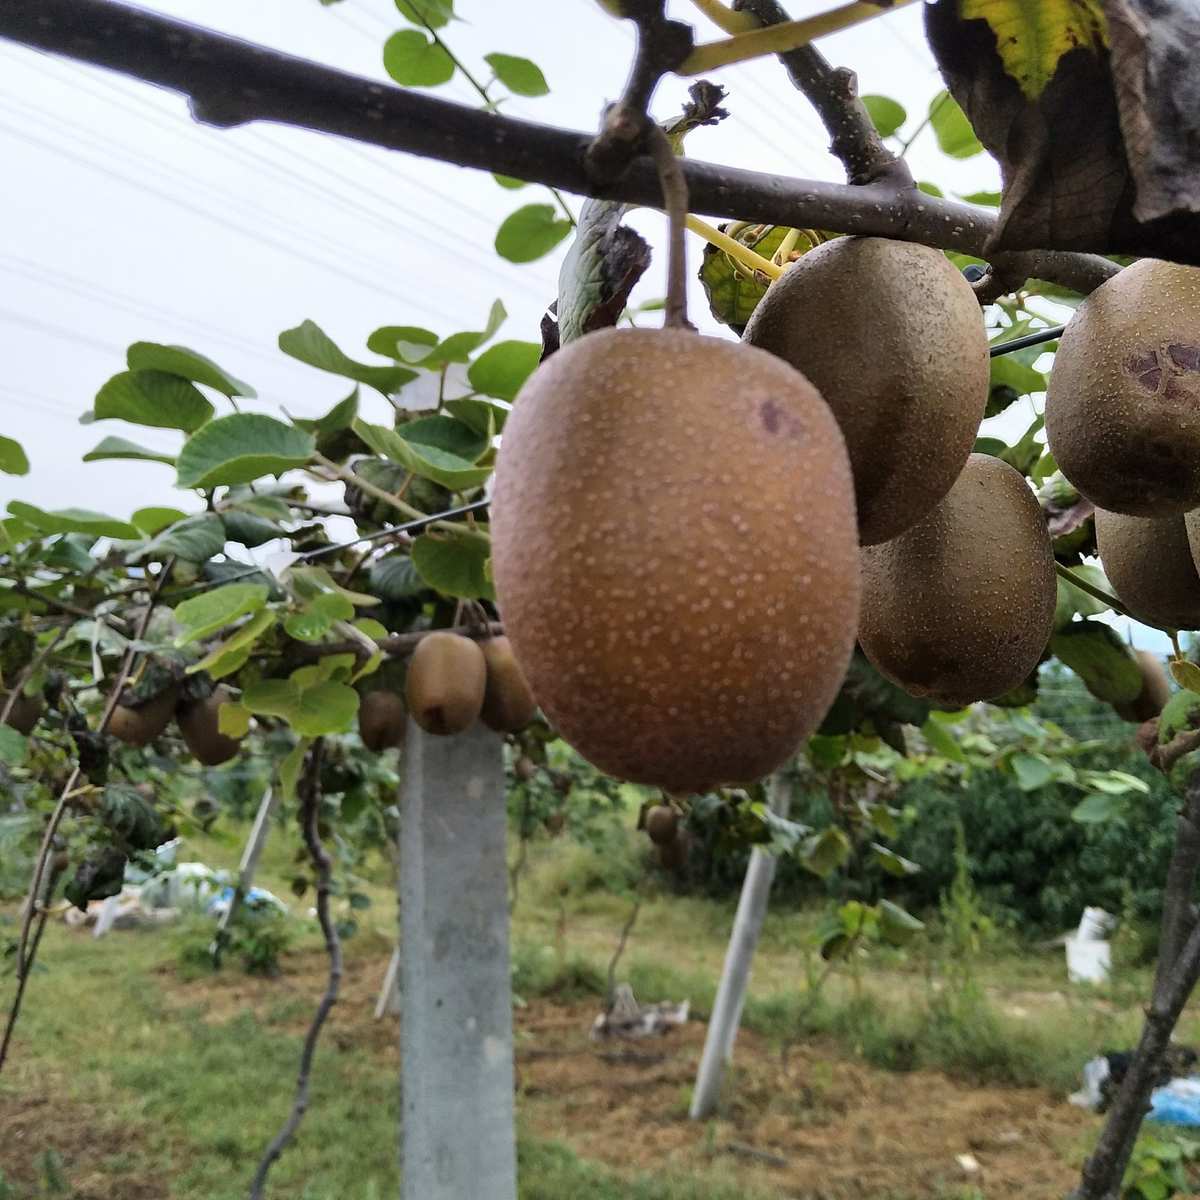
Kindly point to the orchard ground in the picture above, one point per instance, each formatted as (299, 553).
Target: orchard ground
(137, 1074)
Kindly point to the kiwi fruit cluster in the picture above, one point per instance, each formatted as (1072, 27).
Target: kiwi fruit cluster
(137, 720)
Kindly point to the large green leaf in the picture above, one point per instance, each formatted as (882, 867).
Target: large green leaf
(14, 747)
(896, 925)
(339, 417)
(453, 566)
(232, 653)
(824, 852)
(447, 434)
(521, 76)
(530, 233)
(179, 360)
(212, 610)
(1098, 808)
(13, 460)
(396, 578)
(887, 115)
(72, 520)
(409, 343)
(151, 520)
(309, 343)
(326, 707)
(951, 127)
(1033, 38)
(893, 863)
(194, 539)
(942, 741)
(119, 447)
(414, 60)
(1032, 771)
(1098, 656)
(153, 398)
(239, 449)
(429, 462)
(501, 370)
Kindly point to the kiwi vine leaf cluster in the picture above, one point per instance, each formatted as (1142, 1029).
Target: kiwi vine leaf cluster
(696, 557)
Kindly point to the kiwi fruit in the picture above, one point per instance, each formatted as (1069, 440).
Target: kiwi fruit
(140, 725)
(508, 704)
(910, 405)
(24, 714)
(1123, 400)
(199, 722)
(1156, 690)
(662, 824)
(673, 855)
(960, 607)
(445, 684)
(675, 555)
(1148, 561)
(382, 720)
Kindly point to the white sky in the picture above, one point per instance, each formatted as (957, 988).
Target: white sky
(127, 221)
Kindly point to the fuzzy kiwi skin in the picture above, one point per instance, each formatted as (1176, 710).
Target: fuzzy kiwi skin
(1148, 561)
(1123, 400)
(662, 824)
(446, 679)
(199, 722)
(382, 720)
(684, 620)
(1156, 690)
(508, 704)
(140, 726)
(25, 714)
(910, 399)
(961, 606)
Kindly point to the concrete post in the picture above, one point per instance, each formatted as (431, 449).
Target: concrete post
(456, 1044)
(735, 974)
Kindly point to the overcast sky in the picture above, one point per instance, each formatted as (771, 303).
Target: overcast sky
(127, 221)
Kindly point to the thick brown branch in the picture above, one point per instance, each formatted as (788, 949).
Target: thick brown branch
(310, 805)
(233, 82)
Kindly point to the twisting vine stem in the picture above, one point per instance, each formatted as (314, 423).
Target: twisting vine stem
(310, 806)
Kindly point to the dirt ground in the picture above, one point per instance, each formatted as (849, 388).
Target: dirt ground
(818, 1126)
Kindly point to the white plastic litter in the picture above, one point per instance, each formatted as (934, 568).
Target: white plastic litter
(1089, 954)
(1095, 1073)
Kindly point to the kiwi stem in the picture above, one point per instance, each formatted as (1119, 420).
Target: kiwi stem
(782, 254)
(1095, 592)
(778, 39)
(725, 18)
(735, 249)
(675, 201)
(402, 506)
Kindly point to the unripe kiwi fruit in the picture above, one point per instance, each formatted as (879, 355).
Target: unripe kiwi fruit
(1149, 563)
(508, 704)
(891, 335)
(960, 607)
(382, 720)
(199, 722)
(1123, 400)
(25, 713)
(1156, 690)
(675, 555)
(446, 679)
(141, 725)
(662, 824)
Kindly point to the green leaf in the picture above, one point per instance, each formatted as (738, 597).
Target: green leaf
(179, 360)
(1096, 653)
(151, 520)
(509, 183)
(732, 295)
(446, 434)
(1101, 807)
(501, 370)
(483, 417)
(72, 520)
(118, 447)
(990, 199)
(233, 719)
(194, 539)
(893, 863)
(212, 610)
(530, 233)
(521, 76)
(1185, 673)
(339, 417)
(1032, 771)
(434, 13)
(153, 398)
(13, 460)
(951, 127)
(1028, 450)
(324, 708)
(14, 747)
(1072, 600)
(930, 189)
(309, 343)
(239, 449)
(289, 769)
(318, 617)
(459, 347)
(395, 578)
(232, 653)
(824, 852)
(897, 926)
(408, 342)
(887, 115)
(427, 461)
(453, 566)
(1007, 371)
(942, 741)
(1114, 783)
(414, 60)
(67, 554)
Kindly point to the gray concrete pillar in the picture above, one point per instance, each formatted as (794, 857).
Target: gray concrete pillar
(456, 1043)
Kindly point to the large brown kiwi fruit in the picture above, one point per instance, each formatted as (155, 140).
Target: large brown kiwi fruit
(1156, 690)
(662, 824)
(890, 334)
(198, 721)
(1149, 563)
(25, 713)
(141, 725)
(675, 554)
(508, 704)
(445, 683)
(960, 607)
(382, 720)
(1123, 401)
